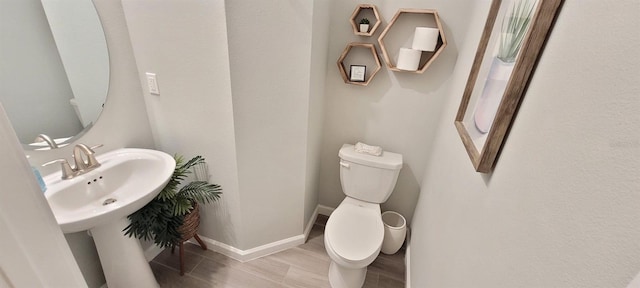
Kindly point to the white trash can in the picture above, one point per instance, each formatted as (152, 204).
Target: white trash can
(395, 230)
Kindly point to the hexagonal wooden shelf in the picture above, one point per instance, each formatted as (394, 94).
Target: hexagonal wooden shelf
(359, 54)
(399, 33)
(368, 11)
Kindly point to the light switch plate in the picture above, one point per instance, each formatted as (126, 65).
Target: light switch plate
(152, 82)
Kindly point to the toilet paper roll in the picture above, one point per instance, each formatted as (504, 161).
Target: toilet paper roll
(409, 59)
(425, 39)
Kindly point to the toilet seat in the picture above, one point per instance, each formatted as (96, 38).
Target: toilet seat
(354, 233)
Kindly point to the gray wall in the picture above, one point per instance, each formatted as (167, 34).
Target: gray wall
(562, 207)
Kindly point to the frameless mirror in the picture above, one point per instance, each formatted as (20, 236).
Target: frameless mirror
(54, 71)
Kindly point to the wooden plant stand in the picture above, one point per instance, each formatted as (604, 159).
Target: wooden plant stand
(189, 229)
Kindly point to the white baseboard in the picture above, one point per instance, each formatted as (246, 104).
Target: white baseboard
(307, 228)
(253, 253)
(256, 252)
(325, 210)
(238, 254)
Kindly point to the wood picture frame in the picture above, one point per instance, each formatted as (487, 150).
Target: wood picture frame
(504, 63)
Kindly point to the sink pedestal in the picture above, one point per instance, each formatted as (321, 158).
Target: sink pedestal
(122, 257)
(99, 200)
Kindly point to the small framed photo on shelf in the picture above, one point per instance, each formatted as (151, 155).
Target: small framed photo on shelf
(357, 73)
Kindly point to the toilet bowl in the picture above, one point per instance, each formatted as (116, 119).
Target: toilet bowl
(352, 237)
(354, 232)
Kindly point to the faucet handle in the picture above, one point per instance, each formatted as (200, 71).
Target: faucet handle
(96, 146)
(67, 171)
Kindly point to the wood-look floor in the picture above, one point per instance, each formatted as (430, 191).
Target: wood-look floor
(304, 266)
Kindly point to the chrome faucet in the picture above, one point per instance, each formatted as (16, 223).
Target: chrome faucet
(44, 137)
(81, 165)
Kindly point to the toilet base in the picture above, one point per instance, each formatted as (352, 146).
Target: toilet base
(340, 277)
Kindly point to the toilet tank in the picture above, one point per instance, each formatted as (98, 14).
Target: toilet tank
(367, 177)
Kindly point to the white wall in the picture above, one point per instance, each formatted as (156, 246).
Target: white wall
(239, 94)
(33, 251)
(33, 84)
(398, 111)
(562, 214)
(562, 207)
(319, 51)
(123, 122)
(270, 67)
(184, 43)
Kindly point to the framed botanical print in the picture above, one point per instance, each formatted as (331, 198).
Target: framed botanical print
(512, 40)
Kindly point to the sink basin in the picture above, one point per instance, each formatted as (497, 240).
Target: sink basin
(126, 181)
(101, 200)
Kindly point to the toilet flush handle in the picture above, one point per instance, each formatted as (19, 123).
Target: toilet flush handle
(344, 164)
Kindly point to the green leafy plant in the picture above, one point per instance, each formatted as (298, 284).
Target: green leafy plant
(160, 219)
(514, 28)
(364, 21)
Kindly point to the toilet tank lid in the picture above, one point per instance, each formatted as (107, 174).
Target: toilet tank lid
(388, 160)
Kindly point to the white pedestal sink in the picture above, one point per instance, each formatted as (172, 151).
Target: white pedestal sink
(101, 200)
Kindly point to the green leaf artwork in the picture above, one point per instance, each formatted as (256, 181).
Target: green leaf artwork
(514, 28)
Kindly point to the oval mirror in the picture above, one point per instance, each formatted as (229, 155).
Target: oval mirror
(54, 71)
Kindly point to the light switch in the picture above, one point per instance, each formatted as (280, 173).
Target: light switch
(152, 82)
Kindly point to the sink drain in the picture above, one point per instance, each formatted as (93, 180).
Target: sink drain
(109, 201)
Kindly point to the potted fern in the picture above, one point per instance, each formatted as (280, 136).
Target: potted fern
(364, 25)
(163, 219)
(514, 28)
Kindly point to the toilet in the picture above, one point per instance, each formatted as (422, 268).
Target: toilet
(354, 232)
